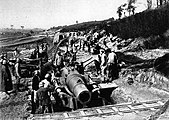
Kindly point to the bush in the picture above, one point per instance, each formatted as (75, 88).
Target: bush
(153, 22)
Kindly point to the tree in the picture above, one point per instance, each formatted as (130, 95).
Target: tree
(130, 9)
(133, 10)
(11, 26)
(149, 4)
(119, 11)
(161, 2)
(131, 2)
(22, 27)
(124, 9)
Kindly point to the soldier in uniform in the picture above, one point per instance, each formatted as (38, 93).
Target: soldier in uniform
(103, 63)
(17, 74)
(112, 66)
(6, 80)
(35, 80)
(43, 99)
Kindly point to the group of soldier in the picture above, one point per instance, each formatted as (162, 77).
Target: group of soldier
(107, 65)
(9, 69)
(106, 62)
(45, 79)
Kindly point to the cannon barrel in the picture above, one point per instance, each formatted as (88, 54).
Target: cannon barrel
(76, 85)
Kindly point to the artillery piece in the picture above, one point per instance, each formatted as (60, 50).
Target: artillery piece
(80, 91)
(76, 84)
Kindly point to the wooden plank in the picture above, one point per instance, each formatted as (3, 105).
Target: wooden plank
(161, 103)
(82, 113)
(118, 109)
(66, 115)
(133, 109)
(151, 108)
(99, 111)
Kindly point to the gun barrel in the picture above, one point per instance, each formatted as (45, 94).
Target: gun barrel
(77, 86)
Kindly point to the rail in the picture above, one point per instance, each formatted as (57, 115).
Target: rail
(103, 110)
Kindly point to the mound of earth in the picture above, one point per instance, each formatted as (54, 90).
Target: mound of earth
(15, 107)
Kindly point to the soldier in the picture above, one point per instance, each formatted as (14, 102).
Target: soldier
(103, 62)
(96, 37)
(37, 51)
(97, 62)
(43, 99)
(112, 67)
(48, 82)
(71, 39)
(58, 62)
(86, 42)
(35, 80)
(79, 67)
(16, 53)
(45, 68)
(5, 80)
(97, 65)
(44, 53)
(56, 38)
(17, 74)
(33, 55)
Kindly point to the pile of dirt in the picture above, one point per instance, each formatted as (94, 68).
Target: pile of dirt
(141, 44)
(135, 45)
(15, 107)
(149, 77)
(148, 54)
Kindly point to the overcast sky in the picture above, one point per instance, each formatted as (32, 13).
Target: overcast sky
(49, 13)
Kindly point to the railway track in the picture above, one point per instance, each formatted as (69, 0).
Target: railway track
(117, 109)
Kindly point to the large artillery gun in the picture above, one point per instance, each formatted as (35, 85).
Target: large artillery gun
(80, 91)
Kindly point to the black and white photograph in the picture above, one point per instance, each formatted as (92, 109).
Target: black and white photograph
(84, 59)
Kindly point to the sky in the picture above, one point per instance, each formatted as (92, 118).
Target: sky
(49, 13)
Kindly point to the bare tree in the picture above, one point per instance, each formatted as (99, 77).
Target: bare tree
(131, 2)
(149, 4)
(130, 7)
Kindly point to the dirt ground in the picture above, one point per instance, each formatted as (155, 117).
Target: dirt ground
(16, 107)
